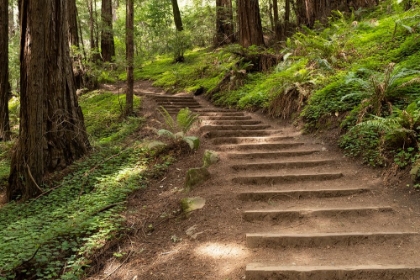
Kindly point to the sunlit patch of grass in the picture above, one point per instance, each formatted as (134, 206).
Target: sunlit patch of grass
(56, 235)
(103, 111)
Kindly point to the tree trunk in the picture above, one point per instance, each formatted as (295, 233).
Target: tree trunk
(130, 57)
(310, 11)
(73, 29)
(4, 71)
(250, 28)
(286, 17)
(91, 25)
(177, 15)
(224, 23)
(277, 24)
(52, 133)
(107, 35)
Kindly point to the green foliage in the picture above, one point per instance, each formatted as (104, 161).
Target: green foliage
(397, 137)
(103, 114)
(201, 69)
(179, 127)
(364, 142)
(55, 235)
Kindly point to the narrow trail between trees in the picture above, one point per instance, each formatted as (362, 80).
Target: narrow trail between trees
(279, 205)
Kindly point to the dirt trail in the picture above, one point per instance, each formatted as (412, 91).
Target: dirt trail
(279, 205)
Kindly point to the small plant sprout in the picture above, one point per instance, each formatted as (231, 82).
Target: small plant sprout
(178, 128)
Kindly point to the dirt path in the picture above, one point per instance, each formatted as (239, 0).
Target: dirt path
(279, 205)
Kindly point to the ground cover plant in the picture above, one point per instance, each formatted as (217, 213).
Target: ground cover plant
(55, 235)
(351, 70)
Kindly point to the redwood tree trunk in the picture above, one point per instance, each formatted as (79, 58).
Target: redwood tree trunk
(177, 15)
(4, 71)
(224, 23)
(277, 25)
(73, 28)
(130, 57)
(107, 35)
(249, 19)
(309, 11)
(52, 133)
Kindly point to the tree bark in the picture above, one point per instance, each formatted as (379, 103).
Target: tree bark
(277, 24)
(130, 57)
(107, 34)
(310, 11)
(250, 28)
(286, 17)
(4, 71)
(73, 28)
(52, 133)
(177, 15)
(224, 23)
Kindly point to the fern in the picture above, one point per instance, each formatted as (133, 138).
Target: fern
(378, 89)
(169, 121)
(186, 119)
(178, 127)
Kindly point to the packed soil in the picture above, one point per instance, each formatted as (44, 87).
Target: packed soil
(210, 243)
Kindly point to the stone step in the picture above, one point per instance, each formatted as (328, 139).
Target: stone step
(261, 146)
(280, 164)
(220, 113)
(230, 122)
(171, 97)
(296, 214)
(250, 140)
(271, 155)
(278, 179)
(240, 133)
(233, 127)
(277, 240)
(298, 194)
(180, 106)
(175, 100)
(261, 271)
(222, 118)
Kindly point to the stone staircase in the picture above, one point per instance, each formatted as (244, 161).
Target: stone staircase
(308, 216)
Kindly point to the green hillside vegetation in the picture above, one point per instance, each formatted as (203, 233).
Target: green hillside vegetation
(360, 73)
(55, 235)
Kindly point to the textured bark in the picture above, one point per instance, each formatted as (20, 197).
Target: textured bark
(130, 57)
(277, 25)
(73, 28)
(4, 71)
(249, 19)
(177, 15)
(224, 23)
(52, 133)
(286, 17)
(107, 35)
(309, 11)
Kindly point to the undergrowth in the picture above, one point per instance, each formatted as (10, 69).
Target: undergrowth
(338, 75)
(55, 235)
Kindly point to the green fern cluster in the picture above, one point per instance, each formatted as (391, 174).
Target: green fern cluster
(386, 137)
(178, 127)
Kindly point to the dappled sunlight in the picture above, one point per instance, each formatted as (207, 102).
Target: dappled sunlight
(128, 172)
(222, 251)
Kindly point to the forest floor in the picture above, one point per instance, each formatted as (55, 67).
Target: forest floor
(211, 243)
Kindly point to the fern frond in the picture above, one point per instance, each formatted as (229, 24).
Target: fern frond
(192, 141)
(186, 119)
(384, 124)
(166, 133)
(169, 121)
